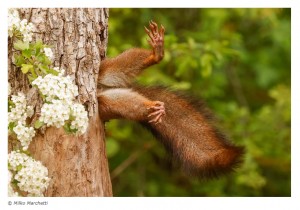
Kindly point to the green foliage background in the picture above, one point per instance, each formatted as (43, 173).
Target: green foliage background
(239, 62)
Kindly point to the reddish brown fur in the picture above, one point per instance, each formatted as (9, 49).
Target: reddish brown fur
(125, 103)
(187, 129)
(189, 134)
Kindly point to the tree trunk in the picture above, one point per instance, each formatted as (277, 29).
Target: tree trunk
(77, 165)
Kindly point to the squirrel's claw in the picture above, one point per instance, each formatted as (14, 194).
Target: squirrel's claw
(158, 113)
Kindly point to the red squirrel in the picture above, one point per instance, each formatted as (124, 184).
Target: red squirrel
(185, 127)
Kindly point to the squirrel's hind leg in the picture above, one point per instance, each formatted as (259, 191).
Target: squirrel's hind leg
(125, 103)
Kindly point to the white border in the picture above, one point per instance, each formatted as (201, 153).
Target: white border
(158, 203)
(151, 4)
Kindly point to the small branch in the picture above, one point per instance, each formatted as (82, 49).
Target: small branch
(236, 84)
(131, 159)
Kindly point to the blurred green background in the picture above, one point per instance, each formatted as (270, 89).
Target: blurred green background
(239, 62)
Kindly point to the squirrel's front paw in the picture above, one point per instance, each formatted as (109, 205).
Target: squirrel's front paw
(157, 113)
(156, 40)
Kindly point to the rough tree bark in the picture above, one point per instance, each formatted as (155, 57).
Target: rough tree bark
(77, 165)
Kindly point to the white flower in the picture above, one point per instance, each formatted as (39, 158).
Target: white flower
(60, 93)
(29, 111)
(55, 113)
(48, 53)
(16, 159)
(37, 81)
(13, 21)
(15, 24)
(56, 87)
(31, 175)
(20, 98)
(24, 134)
(26, 30)
(18, 114)
(19, 129)
(80, 121)
(60, 71)
(23, 25)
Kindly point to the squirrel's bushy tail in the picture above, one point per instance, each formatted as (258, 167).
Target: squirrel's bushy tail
(188, 133)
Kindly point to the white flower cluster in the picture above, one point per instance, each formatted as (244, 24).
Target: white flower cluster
(55, 114)
(18, 114)
(20, 111)
(61, 72)
(15, 24)
(16, 159)
(26, 30)
(48, 52)
(31, 175)
(80, 121)
(13, 21)
(56, 87)
(60, 93)
(24, 134)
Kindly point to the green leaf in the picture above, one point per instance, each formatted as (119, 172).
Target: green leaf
(37, 51)
(206, 70)
(19, 167)
(11, 126)
(38, 124)
(69, 130)
(19, 45)
(191, 42)
(112, 147)
(47, 61)
(206, 59)
(27, 53)
(52, 71)
(182, 85)
(11, 105)
(9, 166)
(26, 152)
(31, 78)
(19, 60)
(33, 73)
(15, 182)
(26, 67)
(182, 68)
(206, 63)
(38, 44)
(44, 68)
(41, 58)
